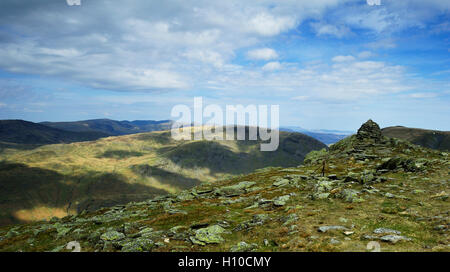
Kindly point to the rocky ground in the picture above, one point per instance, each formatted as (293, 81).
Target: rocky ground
(367, 188)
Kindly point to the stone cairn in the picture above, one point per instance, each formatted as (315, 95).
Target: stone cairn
(369, 131)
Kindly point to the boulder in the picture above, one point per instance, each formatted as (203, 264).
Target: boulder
(208, 235)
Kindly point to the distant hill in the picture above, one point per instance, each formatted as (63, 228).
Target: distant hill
(112, 127)
(433, 139)
(61, 179)
(325, 136)
(23, 132)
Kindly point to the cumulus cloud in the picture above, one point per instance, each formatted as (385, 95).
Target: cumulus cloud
(272, 66)
(267, 25)
(262, 54)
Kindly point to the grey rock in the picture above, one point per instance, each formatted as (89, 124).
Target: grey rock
(328, 228)
(112, 236)
(394, 238)
(386, 231)
(281, 201)
(244, 247)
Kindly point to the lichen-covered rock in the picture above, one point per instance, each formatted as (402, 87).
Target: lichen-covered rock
(281, 182)
(386, 231)
(208, 235)
(315, 156)
(185, 195)
(350, 195)
(244, 247)
(281, 201)
(112, 236)
(138, 245)
(397, 163)
(234, 190)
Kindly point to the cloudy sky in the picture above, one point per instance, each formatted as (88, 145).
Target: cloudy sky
(327, 63)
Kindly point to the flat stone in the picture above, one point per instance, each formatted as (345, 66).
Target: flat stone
(328, 228)
(394, 238)
(386, 231)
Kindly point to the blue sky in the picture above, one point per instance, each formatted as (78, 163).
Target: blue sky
(329, 64)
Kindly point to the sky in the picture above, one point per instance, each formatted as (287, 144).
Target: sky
(329, 64)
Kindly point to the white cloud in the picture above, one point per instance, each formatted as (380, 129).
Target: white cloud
(262, 54)
(268, 25)
(272, 66)
(343, 59)
(338, 31)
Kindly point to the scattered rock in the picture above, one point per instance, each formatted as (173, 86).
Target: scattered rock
(394, 238)
(234, 190)
(244, 247)
(281, 182)
(331, 228)
(334, 241)
(112, 236)
(138, 245)
(386, 231)
(281, 201)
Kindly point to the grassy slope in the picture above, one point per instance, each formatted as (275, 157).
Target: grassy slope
(427, 138)
(418, 207)
(56, 180)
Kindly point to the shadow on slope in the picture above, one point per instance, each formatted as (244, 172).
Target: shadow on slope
(218, 157)
(26, 188)
(165, 177)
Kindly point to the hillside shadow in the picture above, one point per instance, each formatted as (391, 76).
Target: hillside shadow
(162, 138)
(119, 154)
(207, 154)
(165, 177)
(26, 188)
(21, 147)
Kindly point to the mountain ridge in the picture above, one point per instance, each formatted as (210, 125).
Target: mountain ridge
(433, 139)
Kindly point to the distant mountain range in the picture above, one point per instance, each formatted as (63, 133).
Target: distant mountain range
(433, 139)
(23, 132)
(112, 127)
(29, 133)
(325, 136)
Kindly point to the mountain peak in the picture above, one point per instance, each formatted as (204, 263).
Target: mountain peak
(369, 130)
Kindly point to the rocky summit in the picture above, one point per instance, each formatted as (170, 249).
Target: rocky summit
(363, 190)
